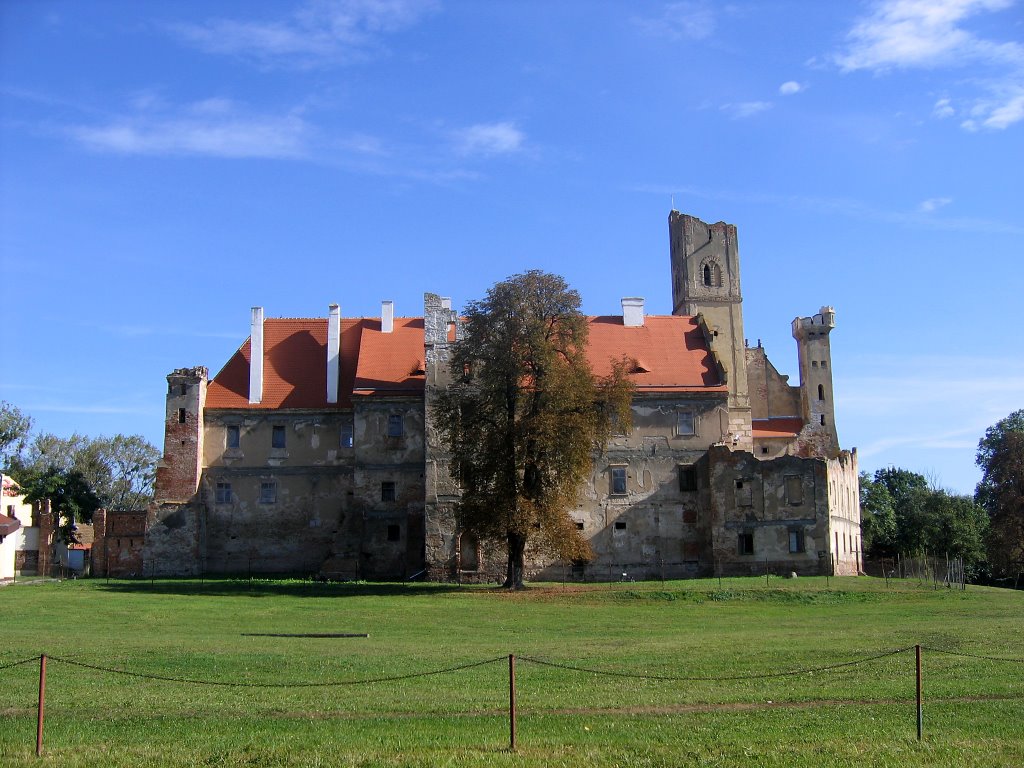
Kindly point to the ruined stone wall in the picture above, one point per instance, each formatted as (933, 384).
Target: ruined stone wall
(771, 394)
(118, 543)
(768, 514)
(442, 541)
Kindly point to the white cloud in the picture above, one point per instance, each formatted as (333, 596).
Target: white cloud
(745, 109)
(790, 87)
(321, 31)
(690, 20)
(489, 139)
(943, 109)
(212, 127)
(932, 34)
(933, 204)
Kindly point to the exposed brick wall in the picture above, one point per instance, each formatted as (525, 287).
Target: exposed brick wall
(119, 542)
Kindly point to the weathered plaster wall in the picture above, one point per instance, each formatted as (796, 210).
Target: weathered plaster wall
(771, 394)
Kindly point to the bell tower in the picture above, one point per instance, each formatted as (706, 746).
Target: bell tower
(706, 281)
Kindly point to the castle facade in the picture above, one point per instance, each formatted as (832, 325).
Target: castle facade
(312, 450)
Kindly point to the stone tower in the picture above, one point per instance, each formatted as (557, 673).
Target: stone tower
(177, 475)
(817, 403)
(706, 281)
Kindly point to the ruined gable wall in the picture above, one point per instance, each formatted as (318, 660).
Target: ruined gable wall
(771, 394)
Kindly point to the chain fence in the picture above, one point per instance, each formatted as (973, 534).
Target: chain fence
(512, 659)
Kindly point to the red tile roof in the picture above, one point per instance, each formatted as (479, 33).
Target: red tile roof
(671, 352)
(777, 426)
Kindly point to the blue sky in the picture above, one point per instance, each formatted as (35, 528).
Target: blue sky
(166, 166)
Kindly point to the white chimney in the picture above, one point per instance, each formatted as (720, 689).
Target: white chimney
(633, 312)
(256, 357)
(387, 316)
(333, 351)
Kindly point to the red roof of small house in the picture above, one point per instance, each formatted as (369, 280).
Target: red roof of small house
(671, 355)
(8, 525)
(777, 426)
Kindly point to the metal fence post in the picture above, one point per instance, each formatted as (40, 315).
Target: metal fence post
(42, 705)
(512, 702)
(920, 714)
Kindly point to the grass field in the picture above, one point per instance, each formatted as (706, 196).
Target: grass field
(741, 629)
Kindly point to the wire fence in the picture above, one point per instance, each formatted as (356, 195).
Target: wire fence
(511, 659)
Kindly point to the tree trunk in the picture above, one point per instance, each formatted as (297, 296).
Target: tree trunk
(516, 557)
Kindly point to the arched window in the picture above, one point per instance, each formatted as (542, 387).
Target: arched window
(821, 391)
(712, 274)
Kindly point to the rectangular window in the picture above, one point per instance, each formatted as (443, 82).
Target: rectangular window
(347, 434)
(796, 540)
(618, 481)
(181, 415)
(223, 493)
(687, 478)
(396, 425)
(685, 423)
(233, 437)
(794, 490)
(268, 492)
(394, 533)
(387, 490)
(277, 437)
(620, 525)
(745, 543)
(579, 525)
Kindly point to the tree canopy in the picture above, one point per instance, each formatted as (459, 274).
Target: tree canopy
(902, 514)
(119, 470)
(72, 499)
(15, 427)
(1001, 490)
(525, 415)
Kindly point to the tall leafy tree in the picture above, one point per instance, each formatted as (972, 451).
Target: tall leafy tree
(524, 416)
(15, 427)
(902, 513)
(1001, 490)
(119, 469)
(72, 499)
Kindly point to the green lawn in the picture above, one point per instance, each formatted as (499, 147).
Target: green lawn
(739, 628)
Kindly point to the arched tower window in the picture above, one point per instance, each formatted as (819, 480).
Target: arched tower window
(821, 391)
(712, 275)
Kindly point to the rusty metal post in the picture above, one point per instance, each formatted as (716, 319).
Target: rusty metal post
(920, 715)
(42, 705)
(512, 702)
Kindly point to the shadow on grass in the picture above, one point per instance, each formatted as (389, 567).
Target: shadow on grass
(244, 587)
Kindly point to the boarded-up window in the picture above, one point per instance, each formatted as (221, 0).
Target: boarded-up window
(794, 489)
(744, 495)
(268, 492)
